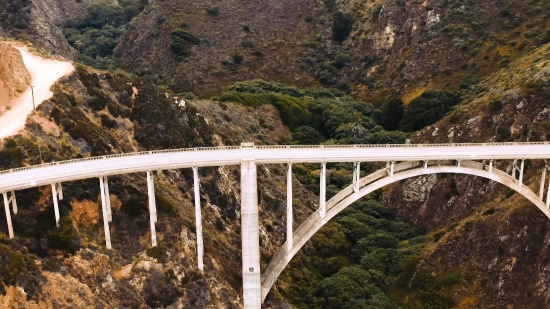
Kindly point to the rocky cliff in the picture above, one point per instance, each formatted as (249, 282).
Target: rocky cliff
(495, 239)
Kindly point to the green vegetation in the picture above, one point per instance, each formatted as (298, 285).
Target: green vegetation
(354, 260)
(96, 36)
(427, 109)
(341, 28)
(182, 42)
(64, 237)
(316, 115)
(14, 14)
(18, 269)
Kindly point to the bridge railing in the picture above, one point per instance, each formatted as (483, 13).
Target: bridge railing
(269, 147)
(119, 155)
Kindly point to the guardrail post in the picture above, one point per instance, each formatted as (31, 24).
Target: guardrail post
(104, 199)
(250, 236)
(198, 219)
(8, 214)
(289, 215)
(323, 193)
(152, 207)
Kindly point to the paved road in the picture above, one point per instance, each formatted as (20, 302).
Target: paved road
(186, 158)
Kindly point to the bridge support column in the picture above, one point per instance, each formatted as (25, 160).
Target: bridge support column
(521, 175)
(198, 219)
(289, 215)
(7, 202)
(542, 179)
(108, 200)
(491, 166)
(57, 193)
(548, 196)
(356, 176)
(250, 236)
(105, 200)
(152, 207)
(323, 193)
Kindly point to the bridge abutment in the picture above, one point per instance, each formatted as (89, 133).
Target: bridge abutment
(250, 236)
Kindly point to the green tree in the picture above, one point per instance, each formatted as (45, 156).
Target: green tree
(64, 237)
(425, 110)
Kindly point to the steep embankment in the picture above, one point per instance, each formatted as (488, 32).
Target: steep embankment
(14, 77)
(44, 74)
(495, 242)
(222, 42)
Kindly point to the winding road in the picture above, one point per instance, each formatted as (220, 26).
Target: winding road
(44, 74)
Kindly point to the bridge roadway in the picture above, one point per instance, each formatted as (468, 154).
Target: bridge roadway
(57, 172)
(418, 159)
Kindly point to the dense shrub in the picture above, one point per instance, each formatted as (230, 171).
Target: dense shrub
(18, 269)
(182, 42)
(427, 109)
(96, 36)
(293, 110)
(341, 27)
(15, 14)
(64, 237)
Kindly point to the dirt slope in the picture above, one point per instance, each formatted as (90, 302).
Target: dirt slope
(14, 77)
(44, 73)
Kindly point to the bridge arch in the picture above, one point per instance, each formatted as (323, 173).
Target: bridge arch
(374, 182)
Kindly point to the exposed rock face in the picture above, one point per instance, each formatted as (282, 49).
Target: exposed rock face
(45, 16)
(418, 190)
(14, 77)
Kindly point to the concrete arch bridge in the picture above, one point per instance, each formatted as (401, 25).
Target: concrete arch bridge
(402, 161)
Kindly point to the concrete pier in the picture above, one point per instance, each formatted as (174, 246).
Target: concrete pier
(152, 207)
(8, 213)
(198, 219)
(104, 200)
(57, 193)
(250, 236)
(323, 193)
(289, 215)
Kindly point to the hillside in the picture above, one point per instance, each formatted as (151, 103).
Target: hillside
(14, 77)
(282, 72)
(91, 114)
(377, 49)
(494, 239)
